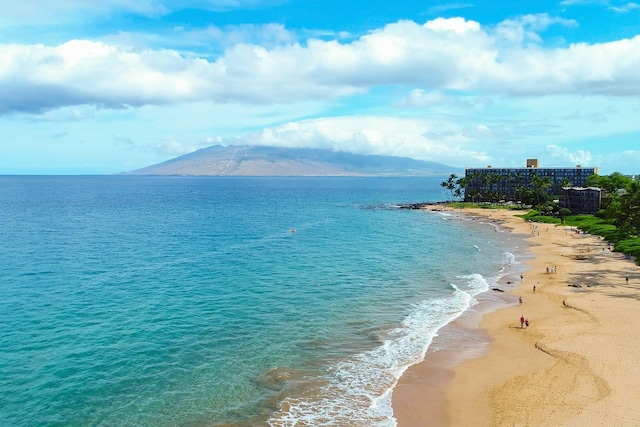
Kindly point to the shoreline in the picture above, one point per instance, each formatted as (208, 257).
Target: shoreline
(429, 378)
(572, 366)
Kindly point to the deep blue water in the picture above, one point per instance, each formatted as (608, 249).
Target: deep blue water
(164, 301)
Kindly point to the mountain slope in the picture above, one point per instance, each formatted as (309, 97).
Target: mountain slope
(272, 161)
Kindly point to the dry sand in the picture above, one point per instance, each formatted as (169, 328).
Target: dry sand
(577, 364)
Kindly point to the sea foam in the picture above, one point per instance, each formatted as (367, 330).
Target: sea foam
(359, 389)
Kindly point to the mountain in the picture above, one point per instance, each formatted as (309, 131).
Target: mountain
(218, 160)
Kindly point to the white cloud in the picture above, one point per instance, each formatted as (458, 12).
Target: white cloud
(578, 157)
(441, 55)
(391, 136)
(207, 42)
(266, 35)
(525, 29)
(625, 8)
(456, 25)
(174, 147)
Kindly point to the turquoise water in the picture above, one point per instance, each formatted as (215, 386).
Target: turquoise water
(164, 301)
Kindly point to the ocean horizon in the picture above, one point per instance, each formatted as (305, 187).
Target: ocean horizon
(200, 301)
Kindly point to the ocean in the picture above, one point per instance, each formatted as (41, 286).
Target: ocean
(236, 301)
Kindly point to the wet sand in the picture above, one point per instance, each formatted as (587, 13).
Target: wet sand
(576, 364)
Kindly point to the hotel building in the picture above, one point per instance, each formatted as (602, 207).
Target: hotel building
(497, 184)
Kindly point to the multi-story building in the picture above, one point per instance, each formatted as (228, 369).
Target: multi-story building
(495, 184)
(581, 200)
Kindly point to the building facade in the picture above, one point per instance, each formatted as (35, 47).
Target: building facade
(582, 200)
(505, 184)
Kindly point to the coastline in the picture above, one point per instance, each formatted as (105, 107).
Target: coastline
(572, 366)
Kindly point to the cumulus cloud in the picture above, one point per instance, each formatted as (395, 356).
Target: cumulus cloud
(525, 29)
(390, 136)
(441, 55)
(578, 157)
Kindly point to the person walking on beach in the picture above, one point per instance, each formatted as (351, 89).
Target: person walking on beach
(627, 279)
(522, 320)
(521, 277)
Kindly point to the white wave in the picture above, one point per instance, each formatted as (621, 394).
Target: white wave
(510, 258)
(359, 389)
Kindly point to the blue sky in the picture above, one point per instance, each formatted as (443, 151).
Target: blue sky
(110, 86)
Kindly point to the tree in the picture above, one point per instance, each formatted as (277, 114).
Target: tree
(563, 213)
(609, 183)
(461, 185)
(525, 195)
(449, 186)
(627, 214)
(475, 195)
(540, 185)
(622, 206)
(620, 181)
(566, 182)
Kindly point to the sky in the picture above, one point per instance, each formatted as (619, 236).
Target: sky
(107, 86)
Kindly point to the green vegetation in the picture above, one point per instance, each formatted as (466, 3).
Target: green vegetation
(618, 222)
(483, 205)
(537, 192)
(454, 187)
(609, 183)
(536, 216)
(621, 206)
(629, 246)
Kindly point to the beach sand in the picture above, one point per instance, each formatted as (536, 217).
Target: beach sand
(578, 362)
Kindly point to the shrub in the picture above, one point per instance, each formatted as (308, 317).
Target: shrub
(535, 216)
(629, 247)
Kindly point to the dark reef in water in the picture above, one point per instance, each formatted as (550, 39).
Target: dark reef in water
(420, 205)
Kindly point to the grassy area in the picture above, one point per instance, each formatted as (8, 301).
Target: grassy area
(484, 205)
(588, 223)
(535, 216)
(595, 226)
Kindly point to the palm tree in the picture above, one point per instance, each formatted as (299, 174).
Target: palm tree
(625, 209)
(449, 186)
(540, 185)
(461, 185)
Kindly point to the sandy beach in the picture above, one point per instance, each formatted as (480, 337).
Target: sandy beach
(576, 364)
